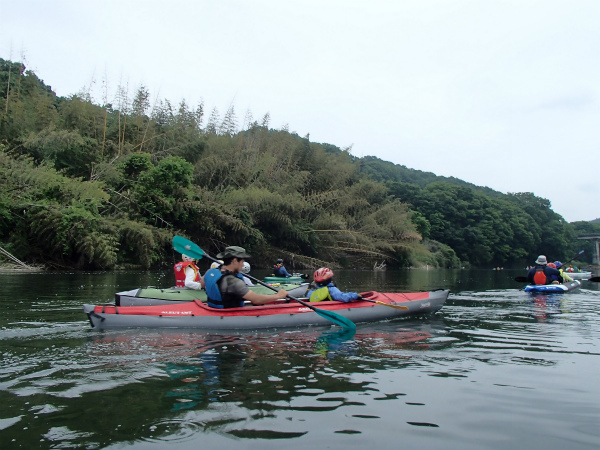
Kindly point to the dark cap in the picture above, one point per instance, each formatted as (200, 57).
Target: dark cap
(233, 252)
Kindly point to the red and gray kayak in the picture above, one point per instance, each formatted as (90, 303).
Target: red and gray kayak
(281, 314)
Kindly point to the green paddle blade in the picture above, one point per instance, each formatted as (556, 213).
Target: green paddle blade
(187, 247)
(336, 318)
(329, 315)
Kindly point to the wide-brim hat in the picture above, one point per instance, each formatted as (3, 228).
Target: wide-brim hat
(233, 252)
(542, 261)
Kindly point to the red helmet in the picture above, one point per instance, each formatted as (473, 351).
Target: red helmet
(552, 265)
(323, 274)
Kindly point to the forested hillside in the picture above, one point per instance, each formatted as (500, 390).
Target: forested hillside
(106, 184)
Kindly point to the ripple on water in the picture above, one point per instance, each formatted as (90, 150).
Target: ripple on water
(169, 431)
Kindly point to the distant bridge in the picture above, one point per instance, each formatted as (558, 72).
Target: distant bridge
(596, 239)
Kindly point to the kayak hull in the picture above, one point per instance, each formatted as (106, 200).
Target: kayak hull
(579, 275)
(281, 314)
(549, 288)
(155, 296)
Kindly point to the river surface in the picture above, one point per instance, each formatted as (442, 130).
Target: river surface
(495, 368)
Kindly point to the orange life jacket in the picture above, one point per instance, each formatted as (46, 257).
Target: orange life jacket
(540, 276)
(180, 272)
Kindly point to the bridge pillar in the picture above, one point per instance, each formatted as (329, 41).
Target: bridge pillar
(595, 238)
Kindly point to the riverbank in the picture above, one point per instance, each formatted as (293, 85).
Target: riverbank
(15, 268)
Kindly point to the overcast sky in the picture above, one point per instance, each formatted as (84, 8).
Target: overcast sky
(498, 93)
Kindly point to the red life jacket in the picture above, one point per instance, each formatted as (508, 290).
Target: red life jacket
(540, 276)
(180, 272)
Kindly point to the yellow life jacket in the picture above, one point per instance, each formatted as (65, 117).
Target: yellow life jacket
(321, 295)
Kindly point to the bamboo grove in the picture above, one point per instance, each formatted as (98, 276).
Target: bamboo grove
(103, 185)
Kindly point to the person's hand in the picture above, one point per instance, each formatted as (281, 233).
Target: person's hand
(360, 297)
(282, 293)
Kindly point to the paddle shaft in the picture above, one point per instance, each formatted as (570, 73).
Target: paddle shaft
(384, 304)
(569, 260)
(593, 279)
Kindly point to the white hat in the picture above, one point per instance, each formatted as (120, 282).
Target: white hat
(246, 268)
(541, 260)
(216, 264)
(186, 257)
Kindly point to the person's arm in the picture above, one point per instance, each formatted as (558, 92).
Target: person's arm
(565, 276)
(189, 279)
(285, 272)
(259, 299)
(340, 296)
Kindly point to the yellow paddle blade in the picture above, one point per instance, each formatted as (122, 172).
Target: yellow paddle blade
(392, 306)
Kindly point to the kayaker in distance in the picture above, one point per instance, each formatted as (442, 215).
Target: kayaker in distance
(187, 274)
(541, 273)
(323, 288)
(279, 269)
(225, 287)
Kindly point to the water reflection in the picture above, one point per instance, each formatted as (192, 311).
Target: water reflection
(270, 378)
(547, 305)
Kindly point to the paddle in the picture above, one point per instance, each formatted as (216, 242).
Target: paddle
(568, 261)
(182, 245)
(384, 304)
(593, 279)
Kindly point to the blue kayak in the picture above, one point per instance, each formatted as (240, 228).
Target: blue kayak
(549, 288)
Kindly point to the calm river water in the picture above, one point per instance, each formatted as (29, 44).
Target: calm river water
(495, 368)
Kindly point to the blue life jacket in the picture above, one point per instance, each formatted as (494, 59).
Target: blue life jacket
(215, 299)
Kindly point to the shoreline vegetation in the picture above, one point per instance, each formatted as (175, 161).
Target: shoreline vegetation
(89, 184)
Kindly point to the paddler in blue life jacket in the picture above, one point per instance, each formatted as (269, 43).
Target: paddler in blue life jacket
(279, 269)
(324, 289)
(225, 287)
(542, 274)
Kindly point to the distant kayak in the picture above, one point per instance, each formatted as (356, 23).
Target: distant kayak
(294, 279)
(579, 275)
(549, 288)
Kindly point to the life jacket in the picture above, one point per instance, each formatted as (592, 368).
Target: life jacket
(213, 292)
(321, 295)
(277, 270)
(180, 273)
(540, 276)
